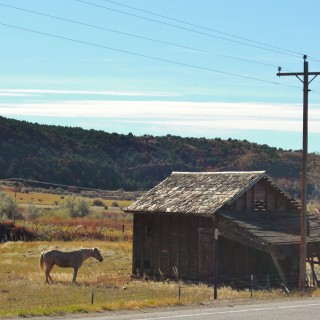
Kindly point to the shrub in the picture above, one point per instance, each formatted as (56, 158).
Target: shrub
(8, 207)
(77, 207)
(82, 208)
(10, 232)
(98, 203)
(31, 212)
(115, 204)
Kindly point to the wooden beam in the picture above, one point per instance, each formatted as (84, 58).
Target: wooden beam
(314, 275)
(278, 267)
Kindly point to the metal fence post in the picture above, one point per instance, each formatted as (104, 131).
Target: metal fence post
(92, 295)
(251, 287)
(268, 281)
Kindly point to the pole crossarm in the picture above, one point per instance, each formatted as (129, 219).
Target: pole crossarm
(279, 74)
(312, 79)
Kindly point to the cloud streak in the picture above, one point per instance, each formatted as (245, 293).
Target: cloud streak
(196, 115)
(31, 92)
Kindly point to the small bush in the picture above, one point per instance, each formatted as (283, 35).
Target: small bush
(10, 232)
(8, 207)
(77, 206)
(31, 212)
(82, 208)
(98, 203)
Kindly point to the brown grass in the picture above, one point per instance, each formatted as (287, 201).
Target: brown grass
(50, 199)
(54, 222)
(23, 290)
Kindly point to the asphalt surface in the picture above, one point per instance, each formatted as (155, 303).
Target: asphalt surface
(305, 309)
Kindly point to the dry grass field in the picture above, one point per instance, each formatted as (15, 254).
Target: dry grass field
(24, 291)
(50, 199)
(101, 286)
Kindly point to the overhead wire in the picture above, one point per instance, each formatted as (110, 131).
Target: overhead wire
(201, 27)
(145, 56)
(144, 38)
(290, 52)
(190, 30)
(210, 29)
(138, 36)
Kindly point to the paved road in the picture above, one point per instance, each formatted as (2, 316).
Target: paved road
(305, 309)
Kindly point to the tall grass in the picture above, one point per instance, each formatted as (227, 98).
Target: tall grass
(23, 290)
(59, 226)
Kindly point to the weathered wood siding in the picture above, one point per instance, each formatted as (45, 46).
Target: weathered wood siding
(166, 242)
(263, 197)
(163, 243)
(174, 223)
(242, 261)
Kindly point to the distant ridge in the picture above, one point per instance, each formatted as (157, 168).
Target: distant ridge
(110, 161)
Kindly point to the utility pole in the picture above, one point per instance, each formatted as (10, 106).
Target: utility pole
(303, 220)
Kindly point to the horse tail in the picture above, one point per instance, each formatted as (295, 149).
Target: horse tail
(41, 260)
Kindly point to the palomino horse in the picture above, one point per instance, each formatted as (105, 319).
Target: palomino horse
(71, 259)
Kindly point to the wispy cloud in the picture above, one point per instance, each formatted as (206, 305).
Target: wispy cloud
(26, 92)
(15, 94)
(195, 115)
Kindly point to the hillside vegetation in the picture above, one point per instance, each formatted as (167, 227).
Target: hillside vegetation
(97, 159)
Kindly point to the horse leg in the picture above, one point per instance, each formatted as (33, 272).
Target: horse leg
(48, 269)
(75, 272)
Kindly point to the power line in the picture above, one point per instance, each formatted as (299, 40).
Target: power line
(138, 36)
(202, 27)
(210, 29)
(145, 56)
(190, 30)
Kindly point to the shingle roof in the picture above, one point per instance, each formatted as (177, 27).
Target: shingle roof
(275, 229)
(200, 193)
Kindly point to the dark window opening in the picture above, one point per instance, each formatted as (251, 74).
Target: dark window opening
(260, 205)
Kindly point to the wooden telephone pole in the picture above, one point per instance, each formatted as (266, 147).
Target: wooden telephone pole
(303, 224)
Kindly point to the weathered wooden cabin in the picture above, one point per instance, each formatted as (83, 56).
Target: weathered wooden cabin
(257, 222)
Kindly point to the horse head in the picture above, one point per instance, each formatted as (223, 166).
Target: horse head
(96, 254)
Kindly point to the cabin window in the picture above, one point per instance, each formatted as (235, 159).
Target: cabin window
(260, 205)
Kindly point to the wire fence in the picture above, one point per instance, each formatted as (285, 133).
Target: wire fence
(270, 281)
(107, 296)
(148, 291)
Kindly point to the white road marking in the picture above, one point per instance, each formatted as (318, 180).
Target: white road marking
(233, 311)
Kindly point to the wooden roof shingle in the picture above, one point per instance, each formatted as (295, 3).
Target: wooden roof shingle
(274, 229)
(196, 193)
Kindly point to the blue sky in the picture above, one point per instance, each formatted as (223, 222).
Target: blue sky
(208, 71)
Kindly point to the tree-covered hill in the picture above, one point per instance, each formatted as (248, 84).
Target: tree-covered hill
(96, 159)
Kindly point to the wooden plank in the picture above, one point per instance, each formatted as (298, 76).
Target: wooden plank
(206, 253)
(174, 246)
(278, 267)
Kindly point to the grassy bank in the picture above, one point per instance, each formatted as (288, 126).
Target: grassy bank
(102, 286)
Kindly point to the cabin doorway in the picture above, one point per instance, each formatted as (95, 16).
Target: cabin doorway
(205, 254)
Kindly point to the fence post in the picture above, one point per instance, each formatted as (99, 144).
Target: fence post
(251, 287)
(179, 292)
(268, 282)
(92, 295)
